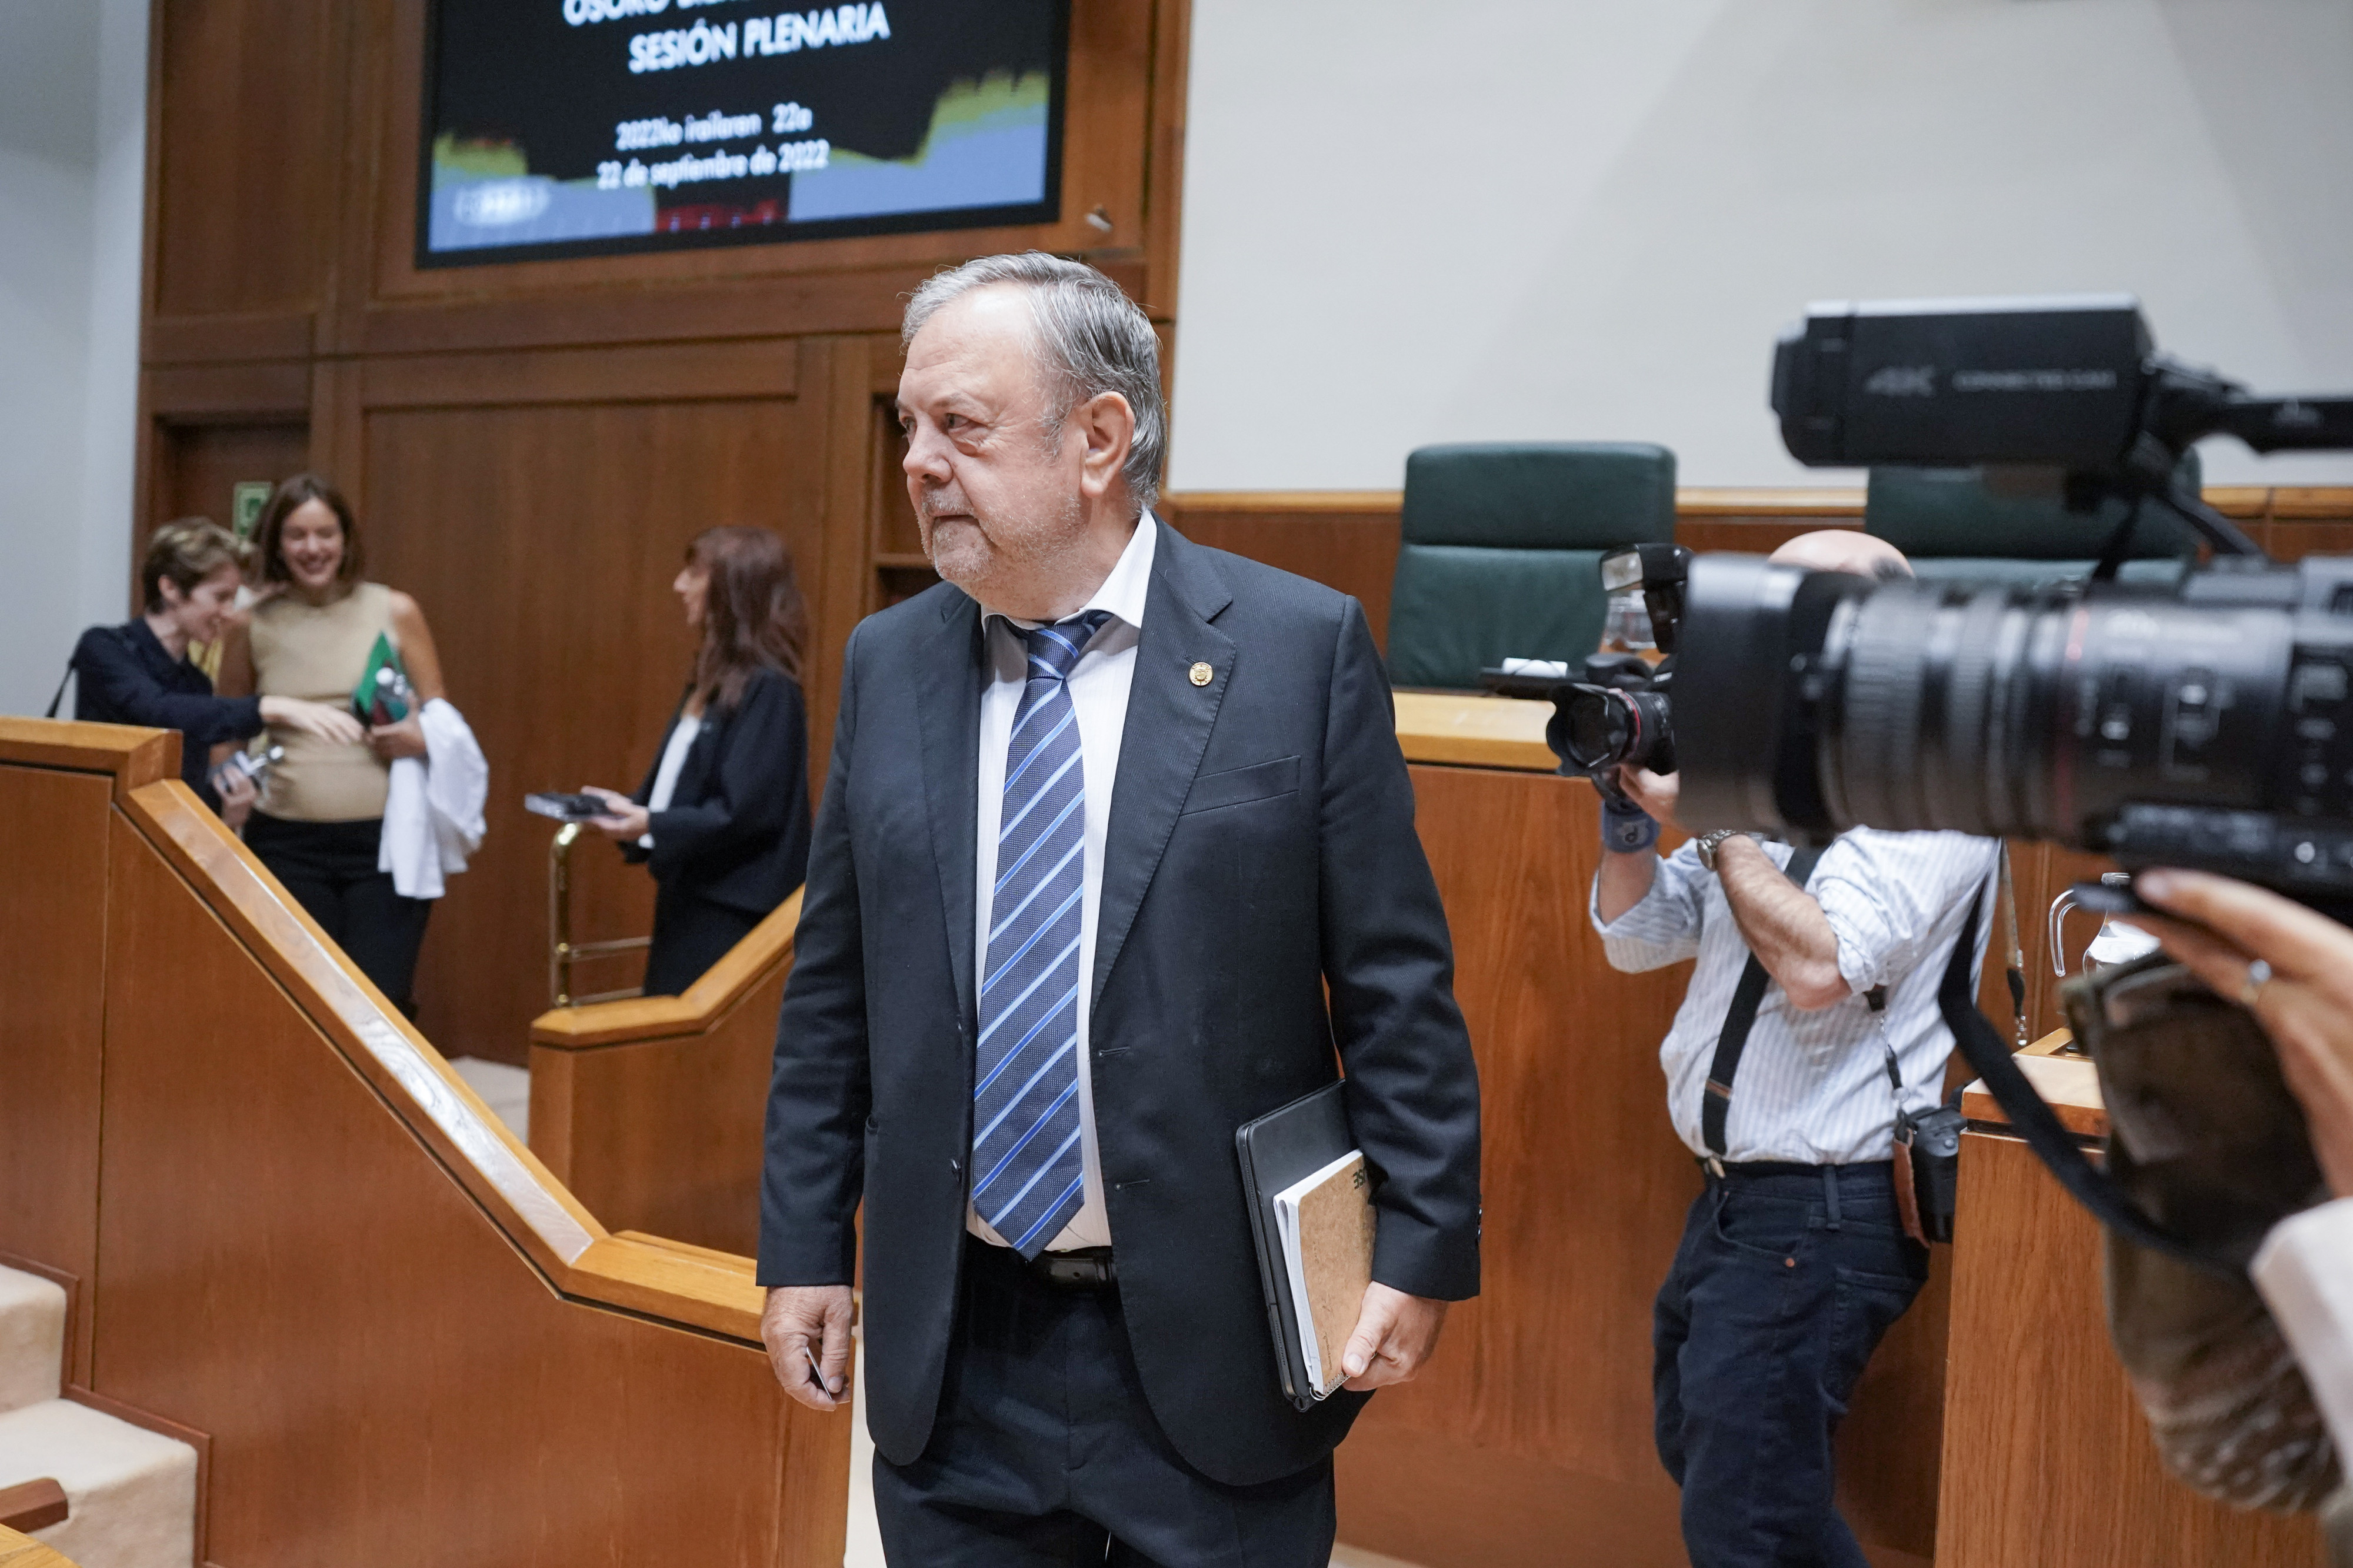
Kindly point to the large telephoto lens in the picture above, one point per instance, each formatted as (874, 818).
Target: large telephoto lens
(1812, 703)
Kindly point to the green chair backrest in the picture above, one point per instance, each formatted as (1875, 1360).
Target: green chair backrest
(1953, 527)
(1501, 550)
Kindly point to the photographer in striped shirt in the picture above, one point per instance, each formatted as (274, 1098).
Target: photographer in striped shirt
(1812, 1018)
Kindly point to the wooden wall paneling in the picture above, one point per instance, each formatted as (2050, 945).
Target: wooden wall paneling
(837, 579)
(2322, 526)
(1528, 1439)
(338, 425)
(895, 541)
(53, 839)
(248, 127)
(538, 512)
(2047, 1457)
(1348, 540)
(277, 1253)
(1164, 170)
(812, 285)
(274, 390)
(1345, 540)
(200, 465)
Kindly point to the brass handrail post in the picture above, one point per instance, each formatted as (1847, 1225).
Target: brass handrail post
(559, 915)
(562, 951)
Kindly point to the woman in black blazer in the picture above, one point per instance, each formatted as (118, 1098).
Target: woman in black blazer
(723, 817)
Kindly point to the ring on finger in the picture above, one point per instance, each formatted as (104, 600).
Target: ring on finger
(2259, 974)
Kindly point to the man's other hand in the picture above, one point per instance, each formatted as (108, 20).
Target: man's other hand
(1654, 792)
(1395, 1334)
(801, 1321)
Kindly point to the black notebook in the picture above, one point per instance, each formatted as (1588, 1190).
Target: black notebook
(1310, 1214)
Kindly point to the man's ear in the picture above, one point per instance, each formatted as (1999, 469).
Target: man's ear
(1106, 428)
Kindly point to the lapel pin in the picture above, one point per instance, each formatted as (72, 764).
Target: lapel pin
(1201, 674)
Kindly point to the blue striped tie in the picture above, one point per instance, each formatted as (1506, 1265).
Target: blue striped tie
(1025, 1099)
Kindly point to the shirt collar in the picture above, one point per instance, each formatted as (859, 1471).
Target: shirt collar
(1122, 593)
(150, 647)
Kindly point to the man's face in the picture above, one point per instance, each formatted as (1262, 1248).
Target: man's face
(999, 508)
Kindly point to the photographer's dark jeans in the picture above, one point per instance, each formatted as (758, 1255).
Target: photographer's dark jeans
(1780, 1291)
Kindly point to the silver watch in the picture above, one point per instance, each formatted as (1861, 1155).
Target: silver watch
(1707, 844)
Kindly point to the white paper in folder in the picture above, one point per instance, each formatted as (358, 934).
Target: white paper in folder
(1326, 1225)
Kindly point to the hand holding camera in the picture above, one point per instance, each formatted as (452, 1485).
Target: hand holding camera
(1655, 793)
(2289, 966)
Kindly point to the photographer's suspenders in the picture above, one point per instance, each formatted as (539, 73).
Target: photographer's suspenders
(1738, 1021)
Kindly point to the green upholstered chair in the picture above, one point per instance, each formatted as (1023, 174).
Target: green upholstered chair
(1952, 526)
(1501, 550)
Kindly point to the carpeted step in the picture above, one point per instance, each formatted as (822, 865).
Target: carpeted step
(32, 1338)
(130, 1494)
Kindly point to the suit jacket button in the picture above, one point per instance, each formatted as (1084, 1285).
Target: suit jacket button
(954, 1169)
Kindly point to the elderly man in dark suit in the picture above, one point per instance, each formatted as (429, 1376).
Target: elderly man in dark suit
(1117, 854)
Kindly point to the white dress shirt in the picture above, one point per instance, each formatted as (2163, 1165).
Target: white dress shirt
(673, 762)
(1812, 1087)
(1098, 685)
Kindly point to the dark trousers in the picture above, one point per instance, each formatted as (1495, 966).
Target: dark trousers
(1045, 1452)
(330, 867)
(1780, 1291)
(691, 934)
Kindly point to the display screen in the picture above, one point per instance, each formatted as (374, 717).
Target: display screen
(589, 127)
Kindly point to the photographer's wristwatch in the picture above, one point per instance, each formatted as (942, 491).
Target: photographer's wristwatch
(1706, 845)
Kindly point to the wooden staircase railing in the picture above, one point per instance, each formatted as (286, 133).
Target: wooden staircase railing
(303, 1235)
(649, 1109)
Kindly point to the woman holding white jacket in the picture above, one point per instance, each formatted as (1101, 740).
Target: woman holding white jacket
(323, 827)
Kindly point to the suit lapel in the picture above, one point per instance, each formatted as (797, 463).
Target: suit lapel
(948, 713)
(1168, 724)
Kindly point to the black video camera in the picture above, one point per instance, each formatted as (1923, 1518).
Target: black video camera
(2210, 725)
(1619, 712)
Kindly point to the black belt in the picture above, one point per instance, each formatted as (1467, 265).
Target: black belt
(1080, 1268)
(1730, 1168)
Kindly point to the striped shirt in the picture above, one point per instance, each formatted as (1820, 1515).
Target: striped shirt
(1812, 1087)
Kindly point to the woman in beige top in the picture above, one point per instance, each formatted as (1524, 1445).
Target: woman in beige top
(319, 823)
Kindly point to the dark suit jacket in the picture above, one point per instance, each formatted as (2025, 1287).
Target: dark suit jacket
(737, 829)
(127, 679)
(1260, 844)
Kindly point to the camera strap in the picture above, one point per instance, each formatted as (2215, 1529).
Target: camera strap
(1716, 1101)
(2032, 1118)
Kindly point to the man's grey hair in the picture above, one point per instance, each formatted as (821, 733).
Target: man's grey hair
(1092, 339)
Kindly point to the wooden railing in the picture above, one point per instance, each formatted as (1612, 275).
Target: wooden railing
(649, 1109)
(302, 1239)
(21, 1552)
(33, 1505)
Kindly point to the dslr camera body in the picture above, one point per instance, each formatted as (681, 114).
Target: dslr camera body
(1620, 712)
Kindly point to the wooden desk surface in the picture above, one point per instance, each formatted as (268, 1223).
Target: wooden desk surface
(2071, 1084)
(1470, 729)
(23, 1552)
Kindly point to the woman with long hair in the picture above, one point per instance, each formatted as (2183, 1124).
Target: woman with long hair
(313, 635)
(723, 817)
